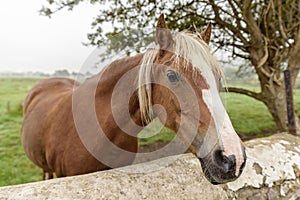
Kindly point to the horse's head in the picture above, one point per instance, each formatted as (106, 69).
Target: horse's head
(185, 82)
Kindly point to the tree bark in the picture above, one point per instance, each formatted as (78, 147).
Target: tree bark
(294, 67)
(274, 99)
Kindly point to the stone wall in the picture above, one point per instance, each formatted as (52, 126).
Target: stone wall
(272, 172)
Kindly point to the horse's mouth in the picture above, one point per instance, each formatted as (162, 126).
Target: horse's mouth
(213, 179)
(216, 175)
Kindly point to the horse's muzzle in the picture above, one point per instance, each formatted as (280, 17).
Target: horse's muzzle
(219, 169)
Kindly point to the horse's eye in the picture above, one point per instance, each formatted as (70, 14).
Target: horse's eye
(173, 76)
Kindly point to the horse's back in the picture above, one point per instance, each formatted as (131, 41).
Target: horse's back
(40, 105)
(53, 87)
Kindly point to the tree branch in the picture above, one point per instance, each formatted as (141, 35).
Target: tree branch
(253, 28)
(236, 15)
(227, 25)
(246, 92)
(281, 28)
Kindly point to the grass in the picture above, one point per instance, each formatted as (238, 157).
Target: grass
(248, 116)
(254, 118)
(155, 132)
(15, 167)
(297, 101)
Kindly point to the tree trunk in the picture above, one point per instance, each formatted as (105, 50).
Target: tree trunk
(294, 67)
(274, 98)
(272, 85)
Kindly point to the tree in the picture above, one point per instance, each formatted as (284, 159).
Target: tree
(61, 73)
(265, 33)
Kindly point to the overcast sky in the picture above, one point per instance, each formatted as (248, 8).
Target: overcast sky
(30, 42)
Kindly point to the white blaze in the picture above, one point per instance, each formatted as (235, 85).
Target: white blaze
(228, 138)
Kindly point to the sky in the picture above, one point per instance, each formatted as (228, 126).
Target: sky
(31, 42)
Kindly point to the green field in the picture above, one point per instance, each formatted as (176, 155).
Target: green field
(15, 168)
(248, 116)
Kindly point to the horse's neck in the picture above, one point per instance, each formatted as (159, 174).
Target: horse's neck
(115, 83)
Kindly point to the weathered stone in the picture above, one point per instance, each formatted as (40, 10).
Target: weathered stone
(272, 194)
(256, 196)
(294, 196)
(271, 161)
(182, 179)
(272, 172)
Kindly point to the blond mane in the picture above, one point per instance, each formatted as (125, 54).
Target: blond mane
(188, 46)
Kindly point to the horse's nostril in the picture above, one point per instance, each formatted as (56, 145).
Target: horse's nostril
(232, 162)
(225, 163)
(218, 157)
(242, 166)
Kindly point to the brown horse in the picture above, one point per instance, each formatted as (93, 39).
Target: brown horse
(71, 128)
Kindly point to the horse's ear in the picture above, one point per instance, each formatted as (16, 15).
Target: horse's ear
(163, 34)
(205, 35)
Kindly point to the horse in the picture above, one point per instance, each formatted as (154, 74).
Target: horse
(176, 81)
